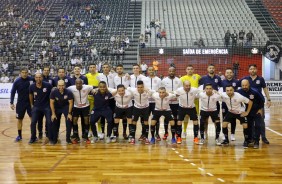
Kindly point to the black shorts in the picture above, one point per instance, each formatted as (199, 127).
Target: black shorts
(144, 113)
(152, 108)
(21, 109)
(174, 110)
(191, 112)
(121, 113)
(82, 112)
(230, 117)
(95, 115)
(206, 114)
(167, 114)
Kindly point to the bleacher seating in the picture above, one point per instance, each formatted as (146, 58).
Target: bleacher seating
(186, 21)
(275, 9)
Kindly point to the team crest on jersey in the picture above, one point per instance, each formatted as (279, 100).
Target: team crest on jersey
(252, 97)
(191, 94)
(35, 93)
(30, 82)
(216, 80)
(50, 81)
(235, 100)
(44, 90)
(92, 112)
(66, 80)
(66, 97)
(83, 91)
(57, 98)
(155, 81)
(106, 97)
(257, 81)
(234, 84)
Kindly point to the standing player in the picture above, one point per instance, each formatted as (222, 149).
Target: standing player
(123, 109)
(186, 97)
(140, 109)
(81, 108)
(39, 93)
(162, 99)
(21, 86)
(61, 102)
(77, 75)
(229, 80)
(215, 81)
(62, 76)
(101, 109)
(171, 83)
(234, 102)
(152, 82)
(255, 116)
(258, 83)
(194, 81)
(123, 79)
(50, 80)
(209, 101)
(108, 78)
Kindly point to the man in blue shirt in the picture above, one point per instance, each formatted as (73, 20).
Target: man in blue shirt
(48, 79)
(62, 76)
(77, 75)
(39, 93)
(101, 109)
(255, 115)
(215, 81)
(258, 83)
(21, 86)
(229, 80)
(61, 102)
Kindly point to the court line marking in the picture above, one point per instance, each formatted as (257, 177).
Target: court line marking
(3, 132)
(221, 180)
(273, 131)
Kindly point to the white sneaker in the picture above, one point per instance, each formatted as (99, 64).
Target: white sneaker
(89, 134)
(217, 142)
(201, 142)
(108, 140)
(233, 137)
(183, 136)
(101, 136)
(94, 140)
(223, 137)
(114, 139)
(129, 139)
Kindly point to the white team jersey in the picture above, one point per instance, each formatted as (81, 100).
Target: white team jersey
(124, 101)
(152, 84)
(81, 96)
(108, 79)
(171, 85)
(140, 100)
(208, 103)
(186, 99)
(234, 104)
(121, 80)
(162, 104)
(134, 79)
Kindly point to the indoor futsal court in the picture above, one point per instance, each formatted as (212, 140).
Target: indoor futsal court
(124, 163)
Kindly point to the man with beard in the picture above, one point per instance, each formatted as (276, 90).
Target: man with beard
(62, 76)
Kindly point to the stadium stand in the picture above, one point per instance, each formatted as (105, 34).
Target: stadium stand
(275, 9)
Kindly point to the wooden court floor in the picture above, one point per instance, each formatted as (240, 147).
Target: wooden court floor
(124, 163)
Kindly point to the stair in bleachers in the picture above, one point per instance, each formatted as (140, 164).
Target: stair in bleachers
(133, 32)
(273, 31)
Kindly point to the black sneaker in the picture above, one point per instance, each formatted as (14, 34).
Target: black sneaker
(265, 140)
(31, 141)
(245, 144)
(225, 143)
(40, 136)
(256, 145)
(69, 141)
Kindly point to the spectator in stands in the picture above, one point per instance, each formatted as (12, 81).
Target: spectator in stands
(52, 34)
(5, 66)
(144, 68)
(227, 38)
(44, 43)
(241, 38)
(158, 34)
(77, 33)
(94, 52)
(148, 31)
(73, 61)
(158, 23)
(249, 37)
(152, 23)
(113, 39)
(163, 34)
(108, 17)
(126, 40)
(201, 42)
(236, 68)
(221, 75)
(4, 79)
(234, 37)
(155, 66)
(141, 41)
(10, 68)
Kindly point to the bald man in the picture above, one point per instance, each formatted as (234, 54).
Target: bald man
(186, 97)
(254, 118)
